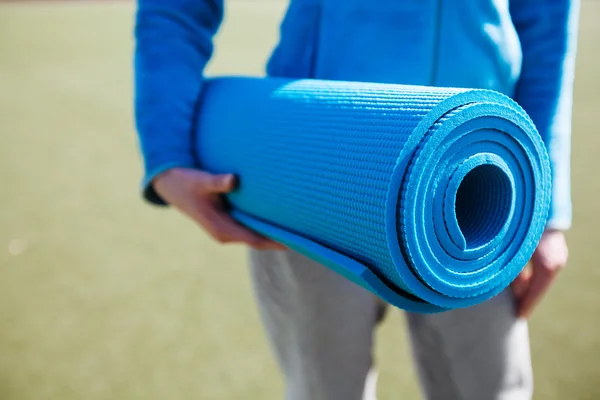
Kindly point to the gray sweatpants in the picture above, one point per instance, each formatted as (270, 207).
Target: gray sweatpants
(321, 325)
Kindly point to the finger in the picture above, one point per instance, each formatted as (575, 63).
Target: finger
(521, 283)
(239, 233)
(540, 282)
(220, 184)
(271, 245)
(226, 230)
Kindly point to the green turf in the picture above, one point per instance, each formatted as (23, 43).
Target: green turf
(102, 297)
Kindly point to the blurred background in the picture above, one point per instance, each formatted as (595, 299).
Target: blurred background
(104, 297)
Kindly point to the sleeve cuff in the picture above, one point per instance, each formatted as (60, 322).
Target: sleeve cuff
(558, 224)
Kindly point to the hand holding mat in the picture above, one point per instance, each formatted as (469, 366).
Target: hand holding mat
(431, 198)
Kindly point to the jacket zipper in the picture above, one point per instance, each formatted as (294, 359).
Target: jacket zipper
(436, 43)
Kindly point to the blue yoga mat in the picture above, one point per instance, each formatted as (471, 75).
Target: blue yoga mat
(431, 198)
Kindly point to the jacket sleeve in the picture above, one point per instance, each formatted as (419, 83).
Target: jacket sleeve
(173, 43)
(547, 31)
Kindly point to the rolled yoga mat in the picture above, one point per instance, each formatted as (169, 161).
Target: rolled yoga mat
(431, 198)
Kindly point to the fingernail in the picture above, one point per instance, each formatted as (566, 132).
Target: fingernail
(227, 180)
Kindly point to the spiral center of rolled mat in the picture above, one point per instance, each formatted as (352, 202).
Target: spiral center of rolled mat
(482, 204)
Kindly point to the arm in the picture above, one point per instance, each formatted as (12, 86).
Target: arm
(173, 45)
(547, 30)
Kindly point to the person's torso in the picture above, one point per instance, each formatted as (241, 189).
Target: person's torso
(460, 43)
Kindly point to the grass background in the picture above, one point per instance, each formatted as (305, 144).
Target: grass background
(102, 297)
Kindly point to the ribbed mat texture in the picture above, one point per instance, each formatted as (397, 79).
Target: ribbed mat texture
(431, 198)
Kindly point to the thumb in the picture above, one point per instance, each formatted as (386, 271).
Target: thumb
(223, 183)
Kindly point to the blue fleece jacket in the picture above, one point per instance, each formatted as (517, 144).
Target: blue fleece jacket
(522, 48)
